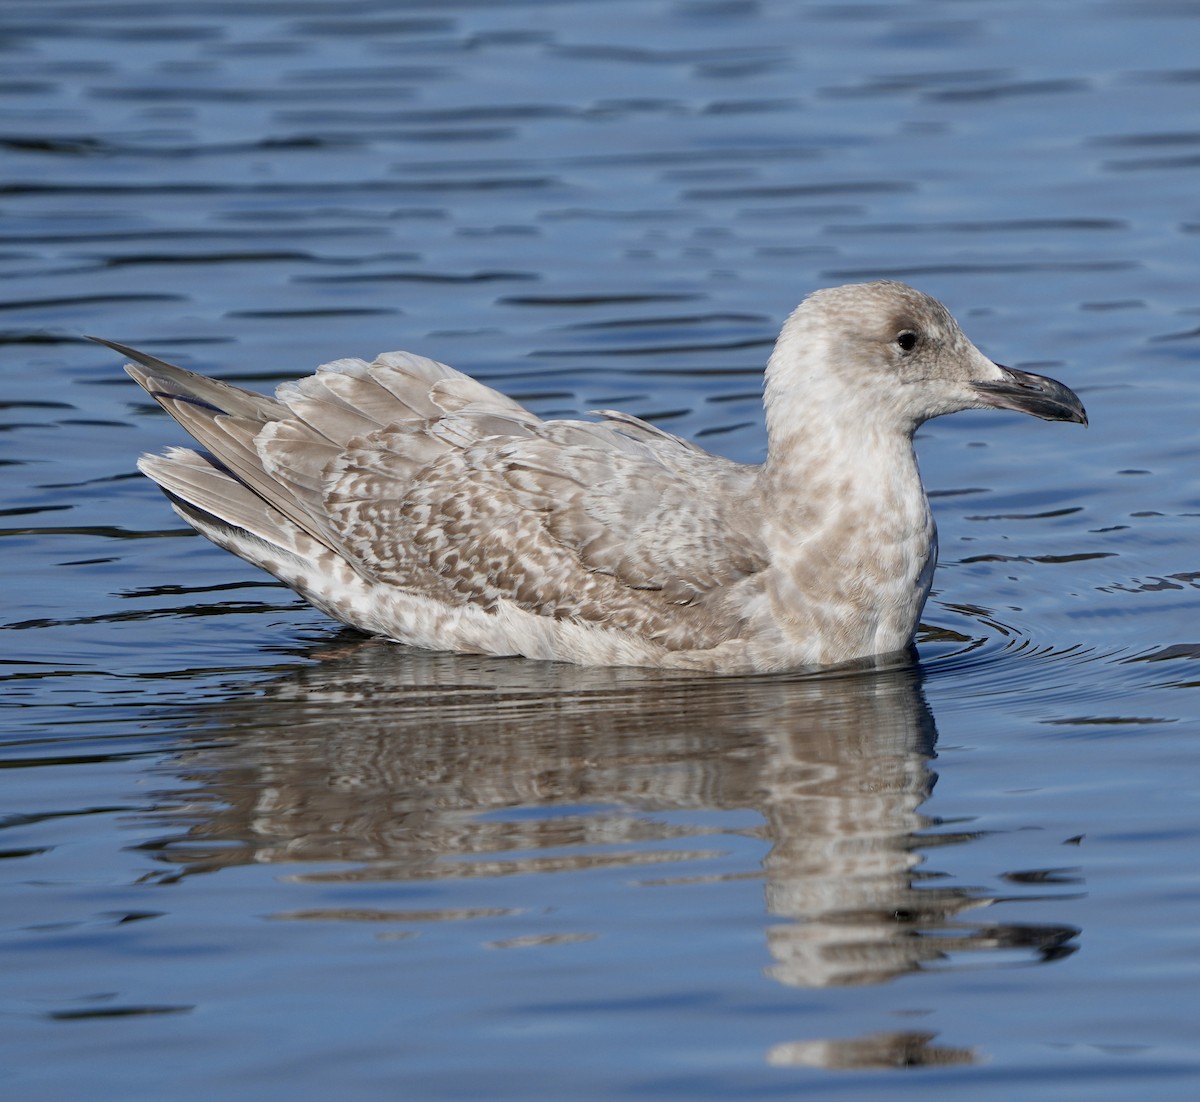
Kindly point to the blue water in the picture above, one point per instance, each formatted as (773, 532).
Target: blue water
(248, 855)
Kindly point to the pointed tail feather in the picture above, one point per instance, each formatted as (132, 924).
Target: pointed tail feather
(164, 381)
(186, 476)
(225, 420)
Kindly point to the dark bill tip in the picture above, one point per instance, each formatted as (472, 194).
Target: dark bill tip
(1036, 395)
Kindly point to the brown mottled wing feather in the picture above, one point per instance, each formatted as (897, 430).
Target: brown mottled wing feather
(570, 519)
(676, 520)
(423, 478)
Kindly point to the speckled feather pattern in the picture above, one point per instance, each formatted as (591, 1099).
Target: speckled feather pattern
(411, 501)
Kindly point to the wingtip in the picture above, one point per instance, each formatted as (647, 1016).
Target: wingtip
(153, 363)
(124, 349)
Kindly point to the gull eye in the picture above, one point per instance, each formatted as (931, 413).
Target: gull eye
(907, 340)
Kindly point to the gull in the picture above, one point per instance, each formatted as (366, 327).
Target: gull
(409, 501)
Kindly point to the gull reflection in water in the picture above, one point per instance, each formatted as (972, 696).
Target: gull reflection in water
(397, 765)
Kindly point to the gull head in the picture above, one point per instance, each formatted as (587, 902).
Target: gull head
(886, 355)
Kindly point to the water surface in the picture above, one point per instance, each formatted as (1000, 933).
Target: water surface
(251, 855)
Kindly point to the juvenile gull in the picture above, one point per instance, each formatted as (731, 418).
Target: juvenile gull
(407, 500)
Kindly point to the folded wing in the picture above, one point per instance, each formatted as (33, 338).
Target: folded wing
(422, 478)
